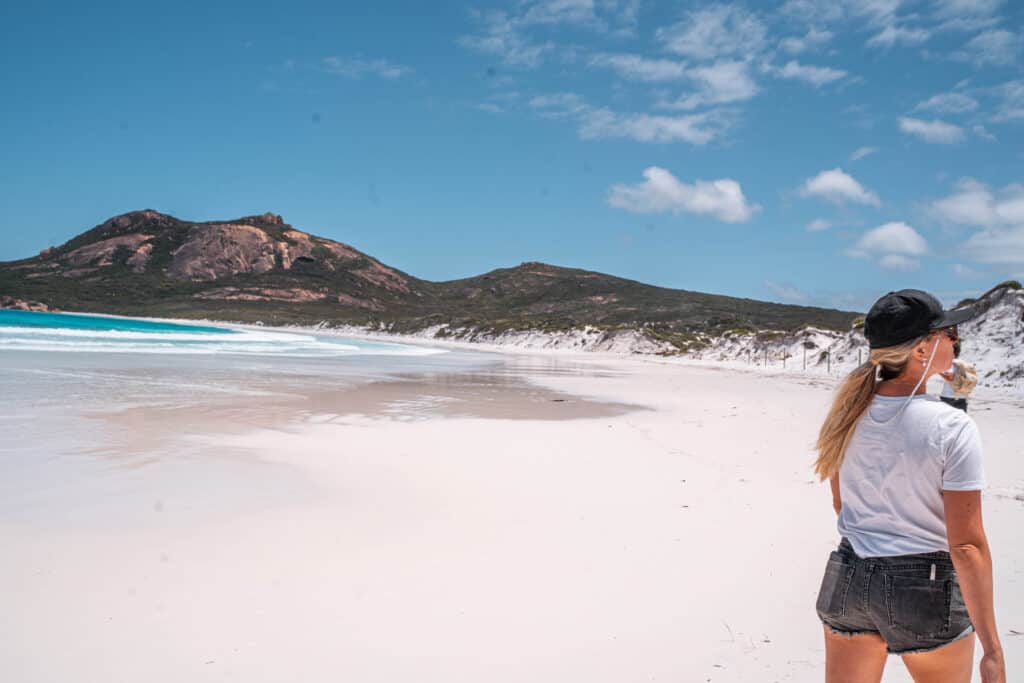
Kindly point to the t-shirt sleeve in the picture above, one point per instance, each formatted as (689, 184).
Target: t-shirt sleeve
(963, 469)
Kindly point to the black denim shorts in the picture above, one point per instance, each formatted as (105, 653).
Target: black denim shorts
(912, 601)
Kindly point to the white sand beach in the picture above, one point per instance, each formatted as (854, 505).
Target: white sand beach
(597, 519)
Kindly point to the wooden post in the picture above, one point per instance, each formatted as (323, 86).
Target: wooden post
(828, 357)
(766, 356)
(805, 358)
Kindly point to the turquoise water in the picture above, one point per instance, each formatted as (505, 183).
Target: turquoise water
(76, 333)
(71, 321)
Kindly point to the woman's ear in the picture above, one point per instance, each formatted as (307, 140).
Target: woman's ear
(918, 352)
(923, 350)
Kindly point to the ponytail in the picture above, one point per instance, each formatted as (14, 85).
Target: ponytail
(852, 398)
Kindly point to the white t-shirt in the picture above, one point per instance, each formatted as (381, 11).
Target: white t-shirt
(893, 475)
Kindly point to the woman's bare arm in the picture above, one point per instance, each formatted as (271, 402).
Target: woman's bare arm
(968, 547)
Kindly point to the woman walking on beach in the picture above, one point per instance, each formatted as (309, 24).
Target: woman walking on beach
(913, 573)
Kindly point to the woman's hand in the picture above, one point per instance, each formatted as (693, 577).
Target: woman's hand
(968, 548)
(993, 668)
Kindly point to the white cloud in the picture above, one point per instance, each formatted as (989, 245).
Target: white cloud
(892, 34)
(786, 292)
(662, 192)
(715, 31)
(974, 203)
(895, 244)
(862, 152)
(879, 15)
(966, 15)
(839, 188)
(502, 38)
(579, 12)
(1011, 106)
(559, 105)
(960, 270)
(818, 224)
(625, 15)
(998, 47)
(812, 39)
(938, 132)
(639, 68)
(616, 16)
(719, 83)
(601, 123)
(896, 22)
(1000, 215)
(971, 204)
(949, 103)
(874, 13)
(997, 245)
(697, 129)
(982, 132)
(815, 75)
(814, 11)
(356, 67)
(898, 262)
(893, 238)
(510, 34)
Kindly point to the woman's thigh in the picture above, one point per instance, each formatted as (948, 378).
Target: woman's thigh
(853, 659)
(951, 663)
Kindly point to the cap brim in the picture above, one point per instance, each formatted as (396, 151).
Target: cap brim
(957, 316)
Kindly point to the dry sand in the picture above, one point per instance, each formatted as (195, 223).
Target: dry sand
(615, 520)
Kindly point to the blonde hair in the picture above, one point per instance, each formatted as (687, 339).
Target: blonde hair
(852, 398)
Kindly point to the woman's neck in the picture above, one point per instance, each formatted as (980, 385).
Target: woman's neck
(902, 386)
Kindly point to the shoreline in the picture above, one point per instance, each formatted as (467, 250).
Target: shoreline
(981, 393)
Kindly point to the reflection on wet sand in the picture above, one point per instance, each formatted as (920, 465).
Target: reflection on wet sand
(501, 395)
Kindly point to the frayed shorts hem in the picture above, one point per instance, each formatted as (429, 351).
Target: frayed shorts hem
(966, 632)
(846, 632)
(912, 651)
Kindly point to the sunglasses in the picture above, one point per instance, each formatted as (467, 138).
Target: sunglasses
(952, 332)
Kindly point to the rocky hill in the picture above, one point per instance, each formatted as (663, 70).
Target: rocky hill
(260, 268)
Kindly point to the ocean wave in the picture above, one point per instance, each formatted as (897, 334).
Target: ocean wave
(71, 333)
(133, 335)
(315, 349)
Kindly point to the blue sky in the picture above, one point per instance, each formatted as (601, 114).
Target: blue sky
(807, 151)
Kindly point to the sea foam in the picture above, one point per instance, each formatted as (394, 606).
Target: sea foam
(30, 331)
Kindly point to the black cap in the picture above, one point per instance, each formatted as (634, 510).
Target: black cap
(901, 316)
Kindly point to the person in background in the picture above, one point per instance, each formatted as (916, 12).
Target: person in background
(948, 395)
